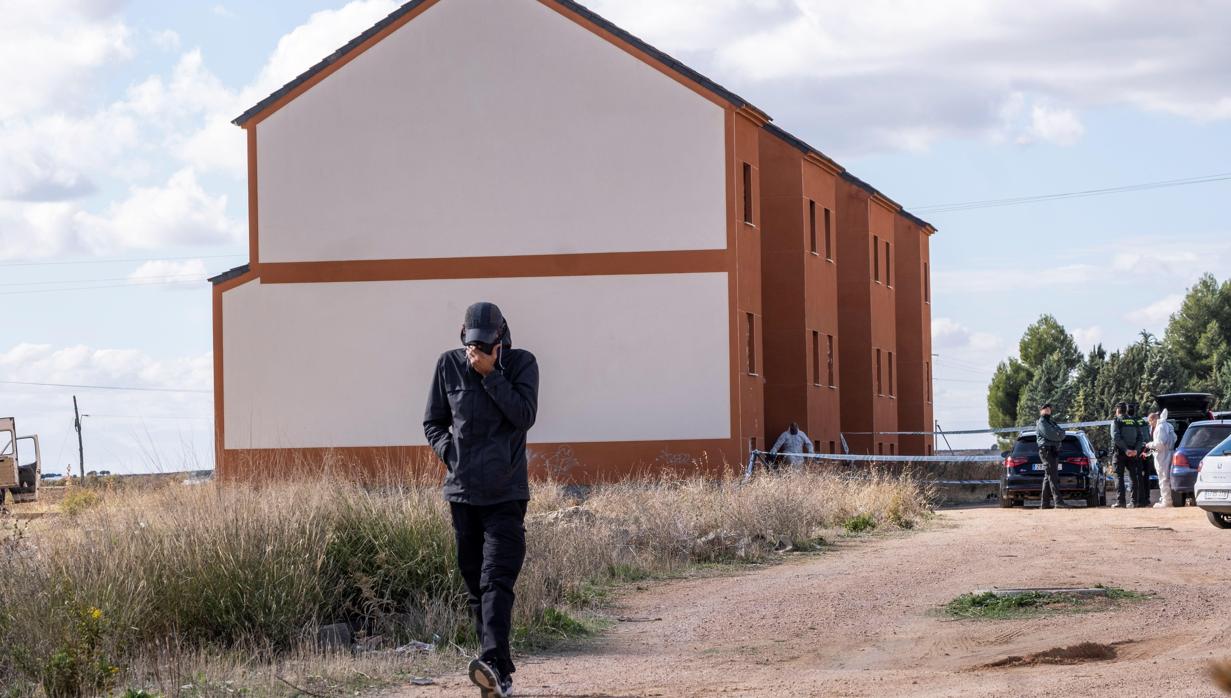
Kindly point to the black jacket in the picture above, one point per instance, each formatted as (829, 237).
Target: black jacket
(478, 425)
(1129, 433)
(1048, 433)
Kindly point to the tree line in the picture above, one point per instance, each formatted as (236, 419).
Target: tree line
(1194, 354)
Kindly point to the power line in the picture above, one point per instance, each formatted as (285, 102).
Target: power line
(106, 387)
(133, 284)
(30, 263)
(1017, 201)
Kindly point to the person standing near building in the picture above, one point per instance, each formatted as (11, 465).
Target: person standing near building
(1049, 436)
(1128, 440)
(482, 403)
(1162, 445)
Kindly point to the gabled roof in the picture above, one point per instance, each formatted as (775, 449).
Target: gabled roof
(588, 14)
(229, 274)
(576, 8)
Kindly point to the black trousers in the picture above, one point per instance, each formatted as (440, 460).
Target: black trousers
(1138, 483)
(1051, 471)
(491, 546)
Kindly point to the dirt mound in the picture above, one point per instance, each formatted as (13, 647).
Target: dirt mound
(1076, 654)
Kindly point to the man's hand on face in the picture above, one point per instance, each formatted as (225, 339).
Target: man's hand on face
(483, 364)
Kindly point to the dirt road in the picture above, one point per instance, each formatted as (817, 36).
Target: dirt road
(861, 620)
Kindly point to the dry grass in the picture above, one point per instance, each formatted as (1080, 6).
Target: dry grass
(183, 589)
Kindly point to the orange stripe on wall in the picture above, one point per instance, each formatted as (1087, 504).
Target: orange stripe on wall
(682, 262)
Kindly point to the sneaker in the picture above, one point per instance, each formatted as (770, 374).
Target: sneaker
(506, 686)
(1160, 505)
(1117, 505)
(486, 678)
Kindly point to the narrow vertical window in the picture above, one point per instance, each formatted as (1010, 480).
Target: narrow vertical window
(828, 237)
(927, 284)
(880, 379)
(876, 258)
(892, 449)
(832, 447)
(829, 358)
(816, 358)
(812, 225)
(890, 374)
(816, 446)
(928, 365)
(888, 274)
(747, 193)
(752, 344)
(880, 448)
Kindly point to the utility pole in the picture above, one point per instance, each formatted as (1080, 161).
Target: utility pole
(80, 448)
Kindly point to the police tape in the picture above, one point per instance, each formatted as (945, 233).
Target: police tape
(852, 458)
(962, 432)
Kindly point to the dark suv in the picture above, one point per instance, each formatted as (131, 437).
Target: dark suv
(1199, 438)
(1080, 476)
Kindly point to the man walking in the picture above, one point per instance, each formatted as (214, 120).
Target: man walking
(1049, 436)
(1162, 445)
(793, 442)
(483, 401)
(1129, 441)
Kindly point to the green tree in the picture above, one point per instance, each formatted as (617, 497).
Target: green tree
(1052, 382)
(1005, 391)
(1047, 337)
(1201, 328)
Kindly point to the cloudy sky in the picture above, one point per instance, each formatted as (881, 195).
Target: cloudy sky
(122, 179)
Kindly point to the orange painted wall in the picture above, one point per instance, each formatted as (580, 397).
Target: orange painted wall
(913, 337)
(800, 294)
(749, 420)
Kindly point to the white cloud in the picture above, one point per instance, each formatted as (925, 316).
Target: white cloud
(173, 274)
(126, 430)
(221, 10)
(1156, 314)
(167, 39)
(177, 212)
(948, 334)
(51, 49)
(1087, 337)
(889, 74)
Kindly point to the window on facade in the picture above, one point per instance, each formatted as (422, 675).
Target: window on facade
(832, 447)
(816, 446)
(829, 350)
(880, 448)
(752, 343)
(927, 285)
(816, 358)
(828, 237)
(928, 367)
(888, 275)
(876, 258)
(747, 193)
(890, 374)
(812, 226)
(893, 449)
(880, 380)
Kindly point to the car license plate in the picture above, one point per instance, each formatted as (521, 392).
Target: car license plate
(1216, 494)
(1037, 466)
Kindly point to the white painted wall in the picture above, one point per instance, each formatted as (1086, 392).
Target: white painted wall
(623, 358)
(491, 128)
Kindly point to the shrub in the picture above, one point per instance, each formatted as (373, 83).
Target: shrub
(78, 500)
(256, 569)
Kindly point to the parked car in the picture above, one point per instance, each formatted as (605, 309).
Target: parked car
(1199, 438)
(1213, 487)
(1080, 476)
(1185, 408)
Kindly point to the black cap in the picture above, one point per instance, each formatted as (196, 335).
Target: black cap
(483, 323)
(1045, 406)
(1122, 407)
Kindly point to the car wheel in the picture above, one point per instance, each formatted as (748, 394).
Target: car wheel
(1219, 520)
(1178, 499)
(1006, 499)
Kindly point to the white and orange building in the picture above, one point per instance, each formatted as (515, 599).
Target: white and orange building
(526, 152)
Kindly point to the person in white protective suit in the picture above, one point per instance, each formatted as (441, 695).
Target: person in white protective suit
(793, 441)
(1162, 445)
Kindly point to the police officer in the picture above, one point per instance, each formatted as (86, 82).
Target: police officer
(1129, 441)
(1141, 486)
(1049, 436)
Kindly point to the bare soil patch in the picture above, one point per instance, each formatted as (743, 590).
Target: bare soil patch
(860, 619)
